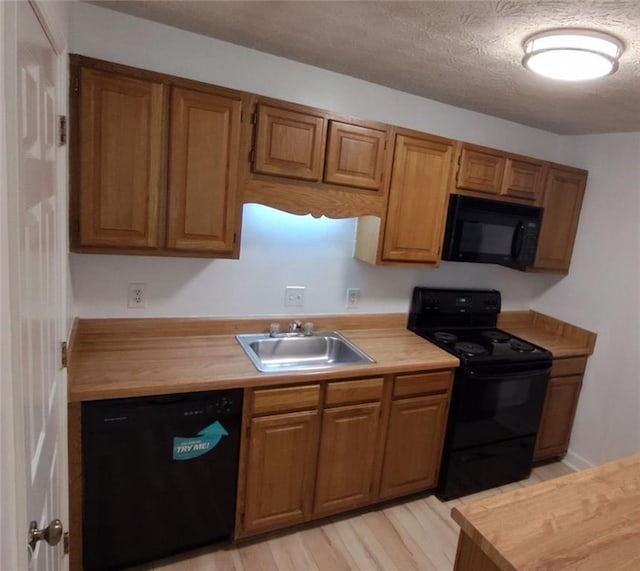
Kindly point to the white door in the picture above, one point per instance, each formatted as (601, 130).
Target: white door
(36, 281)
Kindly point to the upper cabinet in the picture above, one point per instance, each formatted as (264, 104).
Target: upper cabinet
(162, 166)
(203, 164)
(140, 187)
(289, 143)
(562, 201)
(412, 229)
(481, 171)
(305, 160)
(505, 176)
(355, 156)
(121, 130)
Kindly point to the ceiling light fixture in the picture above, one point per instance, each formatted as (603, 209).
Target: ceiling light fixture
(572, 54)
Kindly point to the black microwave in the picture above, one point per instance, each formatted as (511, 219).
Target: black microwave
(491, 232)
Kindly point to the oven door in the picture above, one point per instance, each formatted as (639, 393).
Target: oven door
(497, 403)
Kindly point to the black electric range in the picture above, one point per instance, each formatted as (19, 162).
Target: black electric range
(498, 393)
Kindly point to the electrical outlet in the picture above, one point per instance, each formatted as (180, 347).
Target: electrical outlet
(137, 296)
(294, 296)
(353, 297)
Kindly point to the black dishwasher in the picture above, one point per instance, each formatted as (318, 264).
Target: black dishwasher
(159, 475)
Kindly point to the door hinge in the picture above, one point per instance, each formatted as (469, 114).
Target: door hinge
(64, 355)
(252, 155)
(65, 542)
(254, 118)
(76, 84)
(62, 130)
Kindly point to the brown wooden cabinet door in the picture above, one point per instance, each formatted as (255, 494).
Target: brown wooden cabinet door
(417, 199)
(121, 142)
(348, 443)
(523, 179)
(557, 417)
(280, 470)
(289, 143)
(204, 147)
(563, 194)
(414, 445)
(480, 171)
(355, 156)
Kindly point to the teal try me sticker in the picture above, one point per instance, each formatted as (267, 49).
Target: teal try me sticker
(207, 439)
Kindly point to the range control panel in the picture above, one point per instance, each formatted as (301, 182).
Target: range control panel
(456, 301)
(433, 304)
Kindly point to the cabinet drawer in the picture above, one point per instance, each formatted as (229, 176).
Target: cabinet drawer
(422, 383)
(285, 399)
(571, 366)
(354, 391)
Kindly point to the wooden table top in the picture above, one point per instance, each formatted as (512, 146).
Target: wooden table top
(586, 521)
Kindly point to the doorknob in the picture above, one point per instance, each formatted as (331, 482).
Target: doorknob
(52, 534)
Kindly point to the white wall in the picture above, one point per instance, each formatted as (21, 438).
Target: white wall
(601, 294)
(279, 249)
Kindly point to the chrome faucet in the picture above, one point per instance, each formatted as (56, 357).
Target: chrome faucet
(295, 326)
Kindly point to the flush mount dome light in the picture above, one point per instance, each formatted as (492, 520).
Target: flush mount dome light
(572, 54)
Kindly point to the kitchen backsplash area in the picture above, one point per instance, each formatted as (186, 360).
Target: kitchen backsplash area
(279, 250)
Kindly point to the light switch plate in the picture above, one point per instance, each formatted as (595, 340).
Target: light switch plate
(294, 296)
(353, 297)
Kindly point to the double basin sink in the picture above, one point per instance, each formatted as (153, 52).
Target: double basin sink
(290, 352)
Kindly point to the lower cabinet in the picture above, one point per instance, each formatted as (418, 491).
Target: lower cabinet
(559, 408)
(314, 450)
(282, 453)
(414, 444)
(348, 445)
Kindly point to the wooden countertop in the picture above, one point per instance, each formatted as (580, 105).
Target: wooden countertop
(559, 337)
(115, 359)
(587, 521)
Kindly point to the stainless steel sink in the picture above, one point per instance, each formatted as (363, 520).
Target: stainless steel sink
(296, 352)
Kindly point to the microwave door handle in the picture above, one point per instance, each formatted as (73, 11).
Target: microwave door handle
(516, 243)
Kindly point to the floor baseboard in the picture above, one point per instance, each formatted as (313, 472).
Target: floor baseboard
(577, 462)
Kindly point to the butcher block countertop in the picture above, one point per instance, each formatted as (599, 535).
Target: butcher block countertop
(116, 358)
(559, 337)
(586, 521)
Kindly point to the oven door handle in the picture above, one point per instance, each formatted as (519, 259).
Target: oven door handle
(510, 376)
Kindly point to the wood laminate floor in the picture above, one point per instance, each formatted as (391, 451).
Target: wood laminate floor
(416, 535)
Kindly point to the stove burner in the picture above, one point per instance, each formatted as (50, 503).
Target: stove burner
(445, 337)
(469, 349)
(521, 346)
(496, 336)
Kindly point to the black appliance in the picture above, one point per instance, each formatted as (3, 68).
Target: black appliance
(498, 391)
(159, 475)
(488, 231)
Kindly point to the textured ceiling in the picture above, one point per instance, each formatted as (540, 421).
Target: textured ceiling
(463, 53)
